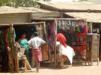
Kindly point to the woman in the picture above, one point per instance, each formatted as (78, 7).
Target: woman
(24, 44)
(64, 49)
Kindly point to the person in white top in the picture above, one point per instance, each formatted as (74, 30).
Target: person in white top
(35, 42)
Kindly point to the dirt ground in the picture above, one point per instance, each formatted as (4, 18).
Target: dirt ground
(71, 70)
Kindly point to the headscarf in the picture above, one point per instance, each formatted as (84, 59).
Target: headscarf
(62, 39)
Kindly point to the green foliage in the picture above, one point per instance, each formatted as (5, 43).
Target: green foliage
(83, 0)
(17, 3)
(4, 2)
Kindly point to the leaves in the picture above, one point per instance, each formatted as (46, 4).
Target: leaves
(83, 0)
(17, 3)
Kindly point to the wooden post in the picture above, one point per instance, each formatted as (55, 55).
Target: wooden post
(55, 39)
(91, 26)
(45, 30)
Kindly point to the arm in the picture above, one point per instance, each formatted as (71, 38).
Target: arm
(42, 41)
(30, 43)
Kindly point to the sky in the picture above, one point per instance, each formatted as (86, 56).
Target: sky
(63, 0)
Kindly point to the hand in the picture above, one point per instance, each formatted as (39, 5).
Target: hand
(8, 48)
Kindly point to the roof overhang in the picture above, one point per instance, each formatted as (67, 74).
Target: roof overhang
(12, 10)
(69, 7)
(89, 17)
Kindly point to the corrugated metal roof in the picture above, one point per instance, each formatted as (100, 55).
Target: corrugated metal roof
(89, 17)
(73, 5)
(10, 10)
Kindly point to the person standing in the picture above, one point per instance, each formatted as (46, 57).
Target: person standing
(35, 42)
(64, 49)
(24, 44)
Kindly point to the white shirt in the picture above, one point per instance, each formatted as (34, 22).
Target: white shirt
(36, 42)
(67, 51)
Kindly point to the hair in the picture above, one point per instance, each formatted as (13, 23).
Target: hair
(35, 34)
(23, 35)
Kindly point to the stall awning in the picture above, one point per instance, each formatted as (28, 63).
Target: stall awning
(22, 24)
(71, 6)
(12, 10)
(41, 13)
(89, 17)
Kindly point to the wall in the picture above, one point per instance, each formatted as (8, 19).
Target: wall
(45, 15)
(14, 18)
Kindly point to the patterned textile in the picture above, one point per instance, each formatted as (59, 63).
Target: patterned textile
(37, 54)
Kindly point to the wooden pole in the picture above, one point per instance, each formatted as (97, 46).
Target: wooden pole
(55, 39)
(45, 30)
(91, 26)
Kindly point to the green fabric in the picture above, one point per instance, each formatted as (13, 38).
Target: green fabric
(13, 52)
(77, 29)
(24, 44)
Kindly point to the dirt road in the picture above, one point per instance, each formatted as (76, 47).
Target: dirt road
(74, 70)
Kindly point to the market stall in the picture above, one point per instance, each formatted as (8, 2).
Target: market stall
(75, 31)
(29, 29)
(9, 34)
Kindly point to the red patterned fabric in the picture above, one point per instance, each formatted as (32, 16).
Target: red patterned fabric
(37, 55)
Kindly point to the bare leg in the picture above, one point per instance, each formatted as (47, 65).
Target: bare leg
(37, 65)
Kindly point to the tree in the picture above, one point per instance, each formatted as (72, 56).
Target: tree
(4, 2)
(17, 3)
(83, 0)
(25, 3)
